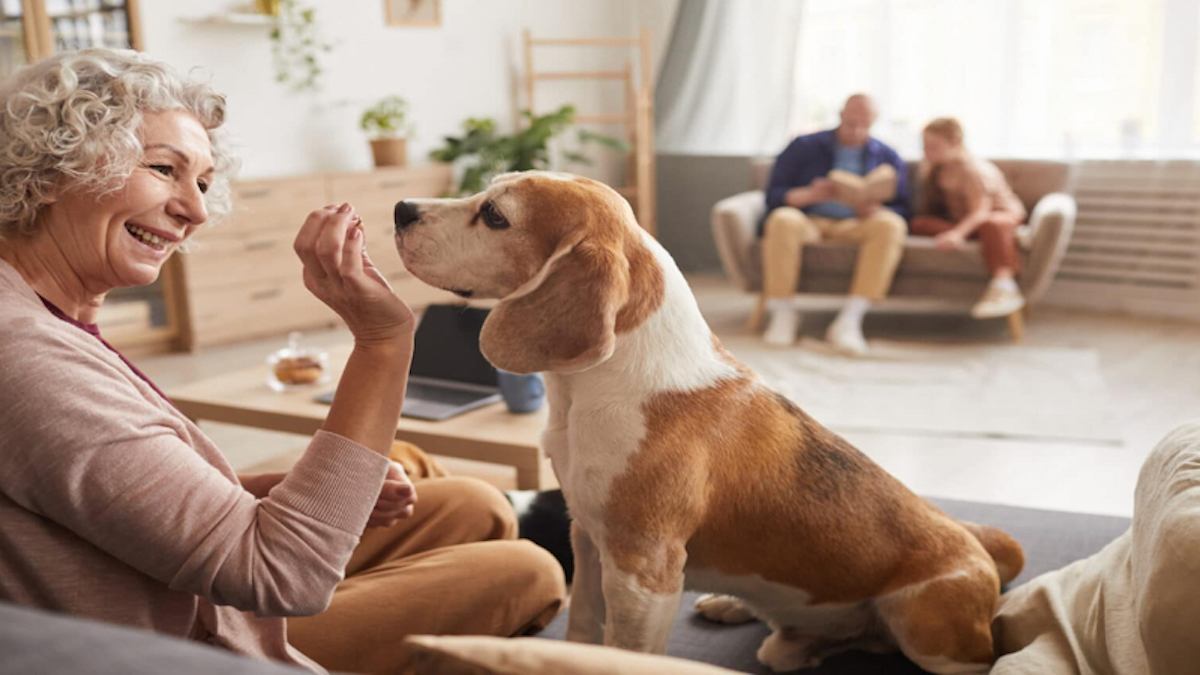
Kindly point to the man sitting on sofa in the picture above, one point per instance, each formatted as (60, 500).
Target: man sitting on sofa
(801, 210)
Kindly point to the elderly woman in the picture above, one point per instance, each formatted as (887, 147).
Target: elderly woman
(964, 197)
(114, 506)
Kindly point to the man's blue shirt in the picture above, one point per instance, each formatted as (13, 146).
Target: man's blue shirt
(810, 157)
(845, 159)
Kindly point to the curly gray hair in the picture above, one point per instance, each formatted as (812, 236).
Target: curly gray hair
(74, 119)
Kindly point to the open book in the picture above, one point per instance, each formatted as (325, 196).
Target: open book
(877, 187)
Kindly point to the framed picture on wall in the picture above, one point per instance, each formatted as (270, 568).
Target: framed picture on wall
(413, 12)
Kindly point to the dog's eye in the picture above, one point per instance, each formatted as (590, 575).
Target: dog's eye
(493, 218)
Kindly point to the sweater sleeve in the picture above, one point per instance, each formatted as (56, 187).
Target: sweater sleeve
(84, 447)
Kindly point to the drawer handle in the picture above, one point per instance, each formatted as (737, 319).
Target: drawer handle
(399, 182)
(266, 295)
(255, 194)
(259, 245)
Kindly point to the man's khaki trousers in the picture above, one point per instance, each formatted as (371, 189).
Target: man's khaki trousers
(880, 238)
(454, 568)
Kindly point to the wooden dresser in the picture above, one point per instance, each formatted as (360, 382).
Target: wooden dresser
(241, 279)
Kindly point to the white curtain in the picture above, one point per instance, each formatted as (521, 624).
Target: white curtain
(725, 86)
(1029, 78)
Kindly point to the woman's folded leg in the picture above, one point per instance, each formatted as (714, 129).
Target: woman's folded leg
(453, 568)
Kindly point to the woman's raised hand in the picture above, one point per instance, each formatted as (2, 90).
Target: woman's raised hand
(337, 270)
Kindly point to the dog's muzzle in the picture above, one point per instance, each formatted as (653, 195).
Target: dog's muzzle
(405, 214)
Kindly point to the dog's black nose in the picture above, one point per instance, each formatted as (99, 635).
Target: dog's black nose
(406, 214)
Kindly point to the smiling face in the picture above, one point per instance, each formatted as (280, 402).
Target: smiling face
(490, 244)
(123, 238)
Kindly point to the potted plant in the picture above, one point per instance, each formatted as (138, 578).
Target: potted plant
(387, 125)
(481, 153)
(268, 7)
(296, 45)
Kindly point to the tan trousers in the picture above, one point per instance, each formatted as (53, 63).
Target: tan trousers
(454, 568)
(788, 229)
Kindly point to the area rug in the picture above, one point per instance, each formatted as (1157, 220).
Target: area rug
(995, 391)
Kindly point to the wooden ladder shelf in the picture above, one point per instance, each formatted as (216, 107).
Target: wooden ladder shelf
(638, 118)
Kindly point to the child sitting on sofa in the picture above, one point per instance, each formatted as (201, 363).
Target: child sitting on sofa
(963, 197)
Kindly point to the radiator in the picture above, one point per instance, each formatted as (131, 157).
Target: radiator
(1136, 246)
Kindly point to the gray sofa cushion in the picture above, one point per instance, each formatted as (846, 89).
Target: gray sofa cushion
(1051, 540)
(34, 641)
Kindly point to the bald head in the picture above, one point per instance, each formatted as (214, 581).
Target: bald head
(858, 114)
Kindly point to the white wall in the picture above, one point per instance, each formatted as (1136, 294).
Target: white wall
(469, 66)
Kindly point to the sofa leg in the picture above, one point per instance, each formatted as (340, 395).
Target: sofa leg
(1016, 326)
(760, 307)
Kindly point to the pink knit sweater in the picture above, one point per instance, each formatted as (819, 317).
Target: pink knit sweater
(116, 507)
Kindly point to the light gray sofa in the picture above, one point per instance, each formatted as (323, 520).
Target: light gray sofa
(928, 280)
(35, 641)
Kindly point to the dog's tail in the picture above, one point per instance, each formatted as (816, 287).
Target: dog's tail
(1005, 551)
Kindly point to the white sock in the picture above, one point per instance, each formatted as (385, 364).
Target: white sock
(780, 304)
(1005, 284)
(853, 311)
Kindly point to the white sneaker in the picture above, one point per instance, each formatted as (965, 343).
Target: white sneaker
(781, 331)
(998, 301)
(846, 338)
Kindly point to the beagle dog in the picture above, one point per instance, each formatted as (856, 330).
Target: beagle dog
(682, 469)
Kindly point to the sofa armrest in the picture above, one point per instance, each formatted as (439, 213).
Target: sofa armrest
(735, 224)
(1049, 233)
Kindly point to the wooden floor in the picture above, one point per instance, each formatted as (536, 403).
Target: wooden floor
(1149, 365)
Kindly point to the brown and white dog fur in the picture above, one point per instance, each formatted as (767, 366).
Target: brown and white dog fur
(680, 467)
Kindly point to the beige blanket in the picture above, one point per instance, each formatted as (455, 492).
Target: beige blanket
(1135, 606)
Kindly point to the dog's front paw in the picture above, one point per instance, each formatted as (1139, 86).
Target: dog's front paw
(783, 654)
(723, 609)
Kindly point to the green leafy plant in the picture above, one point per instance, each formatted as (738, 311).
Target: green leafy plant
(296, 46)
(484, 153)
(388, 118)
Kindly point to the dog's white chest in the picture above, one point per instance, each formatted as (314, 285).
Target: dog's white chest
(590, 442)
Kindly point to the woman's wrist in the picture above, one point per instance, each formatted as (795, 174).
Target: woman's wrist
(392, 347)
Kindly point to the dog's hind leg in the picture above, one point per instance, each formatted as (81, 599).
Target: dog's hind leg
(723, 608)
(944, 624)
(585, 622)
(787, 649)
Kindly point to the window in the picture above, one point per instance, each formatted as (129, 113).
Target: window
(1027, 78)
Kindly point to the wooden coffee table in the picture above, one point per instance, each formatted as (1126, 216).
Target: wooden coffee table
(490, 434)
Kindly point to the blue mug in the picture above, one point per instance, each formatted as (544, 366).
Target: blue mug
(522, 393)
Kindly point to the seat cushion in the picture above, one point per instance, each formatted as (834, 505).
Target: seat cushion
(828, 267)
(1051, 539)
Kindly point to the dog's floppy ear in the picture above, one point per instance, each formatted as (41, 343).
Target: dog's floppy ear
(564, 319)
